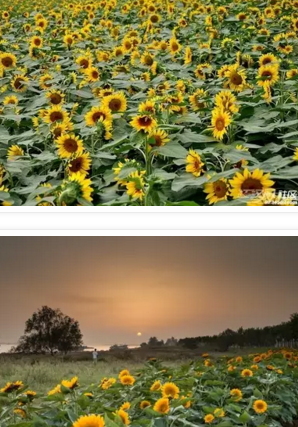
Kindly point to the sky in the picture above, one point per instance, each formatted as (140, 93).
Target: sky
(159, 286)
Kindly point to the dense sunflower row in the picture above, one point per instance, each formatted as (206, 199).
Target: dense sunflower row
(148, 102)
(260, 389)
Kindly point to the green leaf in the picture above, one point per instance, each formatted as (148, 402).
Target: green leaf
(188, 180)
(244, 417)
(172, 149)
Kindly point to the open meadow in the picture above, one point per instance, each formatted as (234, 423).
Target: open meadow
(144, 102)
(258, 389)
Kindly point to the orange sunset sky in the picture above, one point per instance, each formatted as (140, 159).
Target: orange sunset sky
(160, 286)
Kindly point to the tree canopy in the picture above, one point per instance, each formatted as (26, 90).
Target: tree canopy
(48, 331)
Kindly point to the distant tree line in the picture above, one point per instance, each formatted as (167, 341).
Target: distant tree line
(284, 334)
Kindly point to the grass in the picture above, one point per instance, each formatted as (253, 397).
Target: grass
(41, 373)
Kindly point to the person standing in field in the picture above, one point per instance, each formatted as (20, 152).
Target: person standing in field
(95, 355)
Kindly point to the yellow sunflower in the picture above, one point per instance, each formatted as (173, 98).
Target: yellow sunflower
(158, 137)
(156, 386)
(170, 390)
(237, 78)
(36, 42)
(220, 121)
(144, 122)
(247, 182)
(202, 70)
(19, 83)
(162, 405)
(260, 406)
(55, 114)
(144, 404)
(55, 97)
(73, 383)
(174, 46)
(127, 379)
(125, 406)
(246, 373)
(267, 74)
(208, 418)
(93, 74)
(84, 62)
(217, 191)
(45, 81)
(10, 100)
(14, 151)
(227, 101)
(89, 421)
(55, 390)
(236, 394)
(124, 416)
(83, 185)
(135, 189)
(69, 145)
(115, 102)
(8, 60)
(194, 163)
(102, 114)
(267, 59)
(124, 372)
(197, 99)
(80, 163)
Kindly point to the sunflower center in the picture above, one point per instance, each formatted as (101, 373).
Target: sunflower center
(84, 63)
(19, 83)
(236, 79)
(70, 145)
(115, 104)
(174, 46)
(37, 42)
(55, 116)
(251, 184)
(220, 124)
(158, 140)
(145, 121)
(56, 98)
(95, 74)
(7, 61)
(267, 74)
(154, 19)
(98, 115)
(76, 165)
(220, 189)
(148, 60)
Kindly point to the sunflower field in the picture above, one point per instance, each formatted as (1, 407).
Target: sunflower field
(257, 390)
(148, 103)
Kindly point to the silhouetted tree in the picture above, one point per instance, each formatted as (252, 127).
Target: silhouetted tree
(48, 331)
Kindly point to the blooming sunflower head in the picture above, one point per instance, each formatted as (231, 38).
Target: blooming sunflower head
(7, 60)
(194, 163)
(115, 102)
(162, 405)
(123, 415)
(260, 406)
(69, 145)
(127, 380)
(236, 394)
(220, 121)
(144, 123)
(98, 114)
(89, 421)
(268, 74)
(247, 183)
(217, 191)
(170, 390)
(208, 418)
